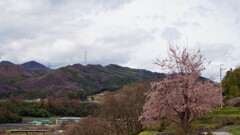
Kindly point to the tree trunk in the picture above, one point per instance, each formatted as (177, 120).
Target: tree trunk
(185, 124)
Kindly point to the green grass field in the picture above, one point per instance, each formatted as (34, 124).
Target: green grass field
(235, 131)
(29, 119)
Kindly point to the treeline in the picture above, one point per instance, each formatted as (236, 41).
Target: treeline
(31, 95)
(48, 107)
(231, 84)
(8, 117)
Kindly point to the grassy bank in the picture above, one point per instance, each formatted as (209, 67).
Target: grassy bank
(217, 119)
(235, 131)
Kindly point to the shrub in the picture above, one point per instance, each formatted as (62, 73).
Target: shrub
(8, 117)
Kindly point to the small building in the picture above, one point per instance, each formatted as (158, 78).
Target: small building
(68, 120)
(46, 122)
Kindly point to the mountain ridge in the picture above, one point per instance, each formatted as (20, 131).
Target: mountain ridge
(69, 79)
(33, 65)
(6, 62)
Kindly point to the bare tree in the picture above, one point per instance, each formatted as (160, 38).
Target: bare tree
(119, 113)
(123, 108)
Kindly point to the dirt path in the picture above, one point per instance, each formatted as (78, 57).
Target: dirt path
(224, 129)
(222, 133)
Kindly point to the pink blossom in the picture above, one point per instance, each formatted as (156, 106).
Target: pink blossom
(182, 96)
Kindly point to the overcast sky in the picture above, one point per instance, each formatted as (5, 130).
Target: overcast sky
(126, 32)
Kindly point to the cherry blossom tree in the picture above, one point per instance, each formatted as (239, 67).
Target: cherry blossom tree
(182, 96)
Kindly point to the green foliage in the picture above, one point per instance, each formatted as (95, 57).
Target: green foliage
(72, 108)
(226, 112)
(218, 118)
(3, 95)
(235, 131)
(8, 117)
(30, 119)
(35, 94)
(80, 94)
(52, 107)
(33, 109)
(13, 79)
(231, 84)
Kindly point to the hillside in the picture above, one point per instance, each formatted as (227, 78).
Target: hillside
(11, 74)
(69, 80)
(90, 78)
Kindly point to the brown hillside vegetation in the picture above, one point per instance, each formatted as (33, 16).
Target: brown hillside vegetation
(18, 80)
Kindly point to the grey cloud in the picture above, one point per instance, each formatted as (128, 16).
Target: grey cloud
(183, 23)
(180, 23)
(60, 52)
(218, 51)
(229, 8)
(47, 13)
(14, 33)
(38, 20)
(171, 33)
(60, 31)
(117, 48)
(129, 39)
(89, 6)
(199, 10)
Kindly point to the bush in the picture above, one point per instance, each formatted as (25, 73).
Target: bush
(8, 117)
(91, 126)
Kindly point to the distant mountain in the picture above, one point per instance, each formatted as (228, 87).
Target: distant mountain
(6, 63)
(36, 67)
(34, 80)
(90, 78)
(33, 65)
(138, 72)
(14, 71)
(11, 74)
(24, 81)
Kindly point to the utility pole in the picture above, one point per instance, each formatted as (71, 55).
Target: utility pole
(49, 67)
(221, 89)
(85, 58)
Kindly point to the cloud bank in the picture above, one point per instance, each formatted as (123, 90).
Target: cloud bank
(126, 32)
